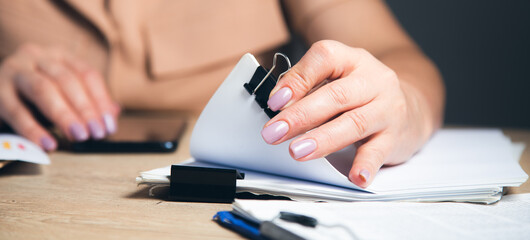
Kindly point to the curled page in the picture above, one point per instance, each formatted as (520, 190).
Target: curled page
(228, 133)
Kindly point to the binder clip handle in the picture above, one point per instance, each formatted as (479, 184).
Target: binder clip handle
(263, 81)
(274, 59)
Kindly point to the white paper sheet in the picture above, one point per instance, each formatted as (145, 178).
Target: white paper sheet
(300, 190)
(507, 219)
(456, 157)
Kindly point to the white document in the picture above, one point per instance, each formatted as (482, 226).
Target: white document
(507, 219)
(13, 148)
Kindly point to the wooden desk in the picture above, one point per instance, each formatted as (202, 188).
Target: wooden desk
(95, 196)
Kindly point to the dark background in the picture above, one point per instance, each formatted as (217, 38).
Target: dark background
(482, 49)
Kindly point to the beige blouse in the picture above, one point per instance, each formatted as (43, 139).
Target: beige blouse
(156, 54)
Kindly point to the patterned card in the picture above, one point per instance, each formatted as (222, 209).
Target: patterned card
(13, 148)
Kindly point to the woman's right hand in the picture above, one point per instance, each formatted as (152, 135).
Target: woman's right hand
(68, 92)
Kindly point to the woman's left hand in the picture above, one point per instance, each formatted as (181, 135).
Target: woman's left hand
(364, 102)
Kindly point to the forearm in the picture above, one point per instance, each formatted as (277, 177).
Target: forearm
(418, 74)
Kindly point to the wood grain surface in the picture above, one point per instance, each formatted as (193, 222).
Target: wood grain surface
(91, 196)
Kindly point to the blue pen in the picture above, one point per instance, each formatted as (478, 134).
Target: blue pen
(265, 230)
(244, 228)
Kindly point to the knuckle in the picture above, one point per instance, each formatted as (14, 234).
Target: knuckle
(362, 52)
(391, 76)
(59, 113)
(326, 138)
(360, 55)
(325, 47)
(61, 74)
(298, 117)
(38, 87)
(26, 128)
(80, 66)
(299, 81)
(401, 107)
(86, 110)
(338, 93)
(56, 51)
(54, 69)
(360, 123)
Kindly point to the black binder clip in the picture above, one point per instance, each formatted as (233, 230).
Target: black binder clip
(202, 184)
(262, 83)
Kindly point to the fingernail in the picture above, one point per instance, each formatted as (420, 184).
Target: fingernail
(365, 175)
(303, 148)
(48, 143)
(110, 124)
(78, 132)
(96, 130)
(280, 98)
(275, 131)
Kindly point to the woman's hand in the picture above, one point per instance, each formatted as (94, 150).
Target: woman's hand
(364, 102)
(67, 91)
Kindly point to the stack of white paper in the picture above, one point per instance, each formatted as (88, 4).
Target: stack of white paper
(455, 165)
(508, 219)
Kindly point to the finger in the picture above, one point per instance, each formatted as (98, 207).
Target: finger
(315, 109)
(73, 90)
(49, 100)
(335, 135)
(369, 158)
(325, 60)
(15, 113)
(97, 90)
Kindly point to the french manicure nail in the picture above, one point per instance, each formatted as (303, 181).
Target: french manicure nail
(48, 143)
(365, 175)
(96, 130)
(78, 132)
(110, 124)
(303, 148)
(280, 98)
(275, 131)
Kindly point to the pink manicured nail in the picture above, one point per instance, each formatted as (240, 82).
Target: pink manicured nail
(96, 130)
(303, 148)
(365, 175)
(280, 98)
(48, 143)
(78, 132)
(110, 124)
(275, 131)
